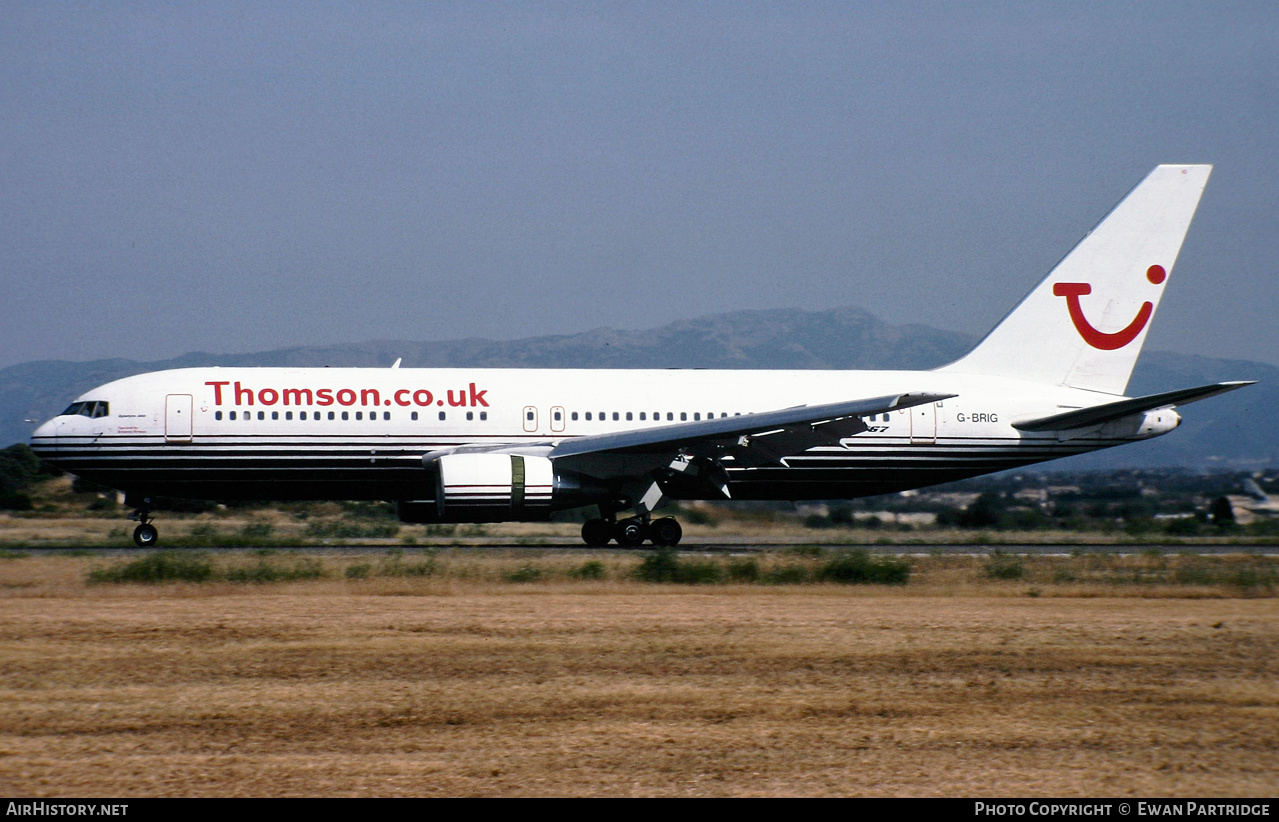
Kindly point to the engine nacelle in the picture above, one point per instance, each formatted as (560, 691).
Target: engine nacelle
(499, 488)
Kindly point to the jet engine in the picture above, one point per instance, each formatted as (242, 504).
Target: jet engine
(491, 487)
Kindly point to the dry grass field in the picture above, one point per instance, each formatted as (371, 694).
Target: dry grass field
(465, 681)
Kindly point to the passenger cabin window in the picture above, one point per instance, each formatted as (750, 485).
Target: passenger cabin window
(443, 416)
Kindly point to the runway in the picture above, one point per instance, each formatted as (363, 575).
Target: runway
(737, 545)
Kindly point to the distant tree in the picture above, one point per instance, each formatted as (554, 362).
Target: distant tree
(1222, 514)
(19, 468)
(1028, 519)
(987, 511)
(842, 515)
(1182, 527)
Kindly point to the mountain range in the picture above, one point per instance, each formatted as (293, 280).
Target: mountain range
(1223, 432)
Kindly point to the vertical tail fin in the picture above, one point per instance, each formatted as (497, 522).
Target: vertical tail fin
(1252, 489)
(1084, 325)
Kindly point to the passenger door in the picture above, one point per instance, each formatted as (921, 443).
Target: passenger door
(177, 418)
(923, 424)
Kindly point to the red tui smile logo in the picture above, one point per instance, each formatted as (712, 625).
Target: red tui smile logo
(1100, 339)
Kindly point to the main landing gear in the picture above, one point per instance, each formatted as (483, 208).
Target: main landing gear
(145, 535)
(632, 532)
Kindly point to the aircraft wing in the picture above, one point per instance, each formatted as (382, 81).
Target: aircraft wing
(1099, 414)
(751, 440)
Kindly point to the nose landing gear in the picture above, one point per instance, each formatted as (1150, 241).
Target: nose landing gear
(145, 535)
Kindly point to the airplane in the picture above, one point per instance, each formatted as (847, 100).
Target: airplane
(493, 445)
(1255, 501)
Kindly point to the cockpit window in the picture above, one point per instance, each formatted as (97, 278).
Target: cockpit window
(90, 408)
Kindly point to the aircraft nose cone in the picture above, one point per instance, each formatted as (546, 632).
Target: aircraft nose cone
(44, 440)
(47, 429)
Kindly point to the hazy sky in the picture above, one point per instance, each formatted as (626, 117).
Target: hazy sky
(233, 177)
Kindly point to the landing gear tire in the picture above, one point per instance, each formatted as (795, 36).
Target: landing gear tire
(145, 535)
(631, 533)
(666, 531)
(596, 533)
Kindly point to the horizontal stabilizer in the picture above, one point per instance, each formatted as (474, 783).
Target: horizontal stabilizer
(1099, 414)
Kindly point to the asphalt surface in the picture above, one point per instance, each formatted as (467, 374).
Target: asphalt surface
(702, 545)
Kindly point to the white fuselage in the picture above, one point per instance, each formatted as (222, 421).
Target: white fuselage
(358, 433)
